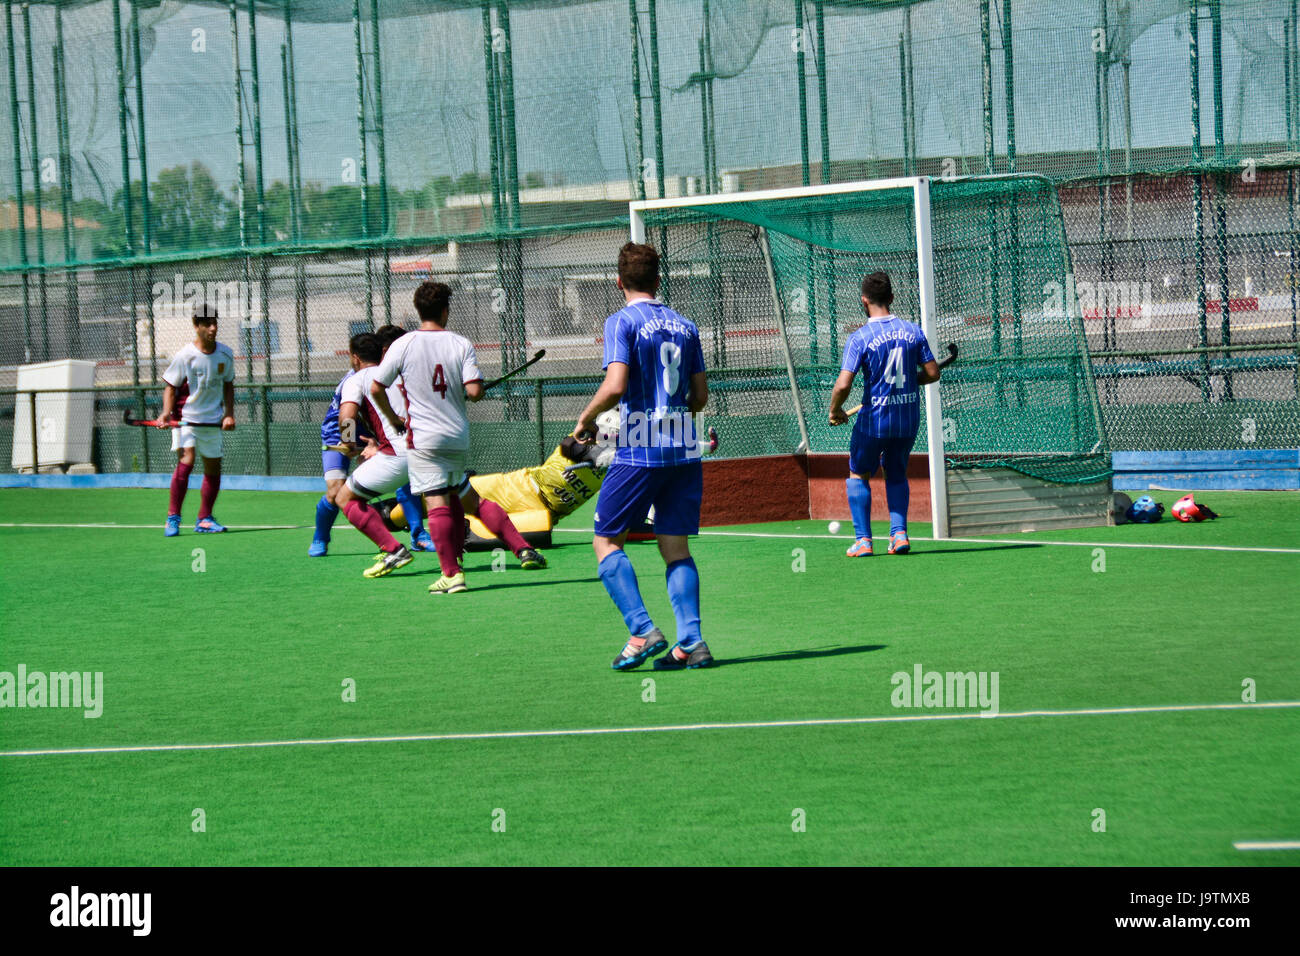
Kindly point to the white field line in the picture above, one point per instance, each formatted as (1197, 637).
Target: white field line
(601, 731)
(732, 534)
(728, 534)
(111, 524)
(1027, 541)
(1267, 845)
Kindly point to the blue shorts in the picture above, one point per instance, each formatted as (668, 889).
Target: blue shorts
(336, 462)
(628, 491)
(867, 454)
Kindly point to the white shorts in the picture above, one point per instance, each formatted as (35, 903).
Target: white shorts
(378, 475)
(207, 440)
(439, 471)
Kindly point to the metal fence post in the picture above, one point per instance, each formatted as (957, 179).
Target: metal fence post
(266, 428)
(144, 432)
(541, 425)
(36, 464)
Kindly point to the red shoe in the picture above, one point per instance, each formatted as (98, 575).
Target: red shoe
(898, 543)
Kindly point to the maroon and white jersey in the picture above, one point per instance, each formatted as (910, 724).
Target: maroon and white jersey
(205, 374)
(357, 389)
(435, 366)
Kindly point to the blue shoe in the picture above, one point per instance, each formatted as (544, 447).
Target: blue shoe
(422, 542)
(208, 526)
(318, 548)
(173, 526)
(631, 656)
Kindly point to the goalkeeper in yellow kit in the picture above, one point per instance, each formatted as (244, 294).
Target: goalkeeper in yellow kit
(536, 497)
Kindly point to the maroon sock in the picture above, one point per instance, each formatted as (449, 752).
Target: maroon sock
(180, 484)
(458, 527)
(208, 495)
(496, 520)
(366, 520)
(442, 529)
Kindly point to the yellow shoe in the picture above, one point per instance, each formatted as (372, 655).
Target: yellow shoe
(388, 563)
(449, 585)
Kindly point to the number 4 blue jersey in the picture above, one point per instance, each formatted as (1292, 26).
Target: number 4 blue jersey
(662, 351)
(888, 351)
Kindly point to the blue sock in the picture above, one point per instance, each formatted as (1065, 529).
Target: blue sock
(325, 515)
(684, 593)
(897, 493)
(619, 578)
(410, 510)
(860, 506)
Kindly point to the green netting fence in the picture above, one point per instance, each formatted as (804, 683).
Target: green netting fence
(139, 128)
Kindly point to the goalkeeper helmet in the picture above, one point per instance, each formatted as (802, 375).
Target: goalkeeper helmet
(607, 425)
(1145, 510)
(1186, 509)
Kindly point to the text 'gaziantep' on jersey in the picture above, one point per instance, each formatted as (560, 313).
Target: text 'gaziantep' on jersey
(662, 351)
(435, 366)
(887, 351)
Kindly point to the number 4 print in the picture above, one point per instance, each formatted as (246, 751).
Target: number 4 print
(894, 369)
(439, 381)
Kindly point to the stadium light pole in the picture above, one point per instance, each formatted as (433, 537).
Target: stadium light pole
(1220, 191)
(634, 26)
(1198, 199)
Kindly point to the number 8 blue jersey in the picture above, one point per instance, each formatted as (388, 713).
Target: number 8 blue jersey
(662, 351)
(888, 351)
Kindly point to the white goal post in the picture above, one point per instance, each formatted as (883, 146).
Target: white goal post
(919, 186)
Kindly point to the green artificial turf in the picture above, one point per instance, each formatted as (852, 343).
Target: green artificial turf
(258, 646)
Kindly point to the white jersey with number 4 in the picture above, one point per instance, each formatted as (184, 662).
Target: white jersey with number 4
(435, 367)
(206, 373)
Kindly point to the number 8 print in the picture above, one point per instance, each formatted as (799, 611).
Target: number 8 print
(670, 356)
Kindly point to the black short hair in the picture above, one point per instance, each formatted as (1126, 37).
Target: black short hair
(877, 289)
(432, 300)
(203, 312)
(366, 346)
(638, 267)
(388, 334)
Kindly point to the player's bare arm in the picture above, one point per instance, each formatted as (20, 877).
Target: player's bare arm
(168, 403)
(380, 397)
(228, 395)
(843, 386)
(929, 373)
(699, 392)
(474, 391)
(607, 396)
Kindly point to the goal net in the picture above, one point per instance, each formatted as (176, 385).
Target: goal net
(772, 279)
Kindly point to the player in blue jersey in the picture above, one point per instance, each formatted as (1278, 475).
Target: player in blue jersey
(654, 373)
(895, 360)
(335, 464)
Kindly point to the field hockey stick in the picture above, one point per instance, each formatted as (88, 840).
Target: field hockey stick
(952, 357)
(159, 423)
(515, 371)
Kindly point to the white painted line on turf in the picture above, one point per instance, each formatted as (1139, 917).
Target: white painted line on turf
(1024, 541)
(599, 731)
(1267, 845)
(111, 524)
